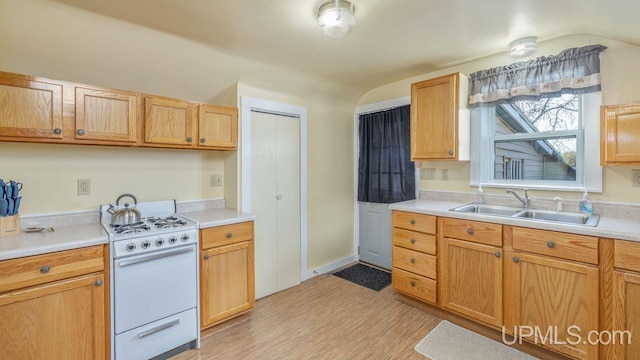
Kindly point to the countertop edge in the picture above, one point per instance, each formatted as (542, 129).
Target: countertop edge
(47, 249)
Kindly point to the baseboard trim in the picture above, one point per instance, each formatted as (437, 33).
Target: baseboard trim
(331, 267)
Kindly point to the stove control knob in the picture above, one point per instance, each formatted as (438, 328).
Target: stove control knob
(172, 240)
(145, 244)
(160, 242)
(130, 247)
(185, 237)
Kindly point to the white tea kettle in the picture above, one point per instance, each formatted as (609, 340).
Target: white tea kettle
(126, 215)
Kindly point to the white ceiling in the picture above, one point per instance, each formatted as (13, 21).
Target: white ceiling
(392, 40)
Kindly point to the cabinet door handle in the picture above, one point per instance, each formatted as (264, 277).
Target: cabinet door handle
(450, 152)
(413, 241)
(206, 257)
(497, 254)
(516, 259)
(202, 140)
(80, 132)
(551, 244)
(413, 283)
(189, 139)
(45, 269)
(412, 222)
(412, 260)
(98, 282)
(57, 131)
(470, 231)
(229, 235)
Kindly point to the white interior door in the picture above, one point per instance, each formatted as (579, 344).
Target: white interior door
(375, 234)
(275, 200)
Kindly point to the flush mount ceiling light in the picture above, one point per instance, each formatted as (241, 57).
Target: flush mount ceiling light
(336, 18)
(523, 47)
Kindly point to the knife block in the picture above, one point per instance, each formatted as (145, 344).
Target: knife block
(9, 225)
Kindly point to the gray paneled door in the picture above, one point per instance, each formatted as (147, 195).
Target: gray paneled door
(375, 234)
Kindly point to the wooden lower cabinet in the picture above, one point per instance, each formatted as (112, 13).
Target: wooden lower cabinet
(227, 279)
(471, 280)
(626, 315)
(559, 298)
(59, 320)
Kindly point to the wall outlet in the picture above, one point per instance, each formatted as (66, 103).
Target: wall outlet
(635, 178)
(84, 187)
(445, 174)
(428, 174)
(215, 180)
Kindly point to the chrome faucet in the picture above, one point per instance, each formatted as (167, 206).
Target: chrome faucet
(524, 201)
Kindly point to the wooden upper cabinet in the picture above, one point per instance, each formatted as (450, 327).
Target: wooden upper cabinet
(218, 127)
(29, 108)
(168, 121)
(107, 115)
(619, 134)
(438, 132)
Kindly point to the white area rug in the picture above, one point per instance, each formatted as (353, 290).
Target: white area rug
(451, 342)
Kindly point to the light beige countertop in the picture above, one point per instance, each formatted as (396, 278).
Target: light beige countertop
(218, 217)
(62, 238)
(614, 228)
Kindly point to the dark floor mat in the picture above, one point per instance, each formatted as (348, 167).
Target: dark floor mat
(366, 276)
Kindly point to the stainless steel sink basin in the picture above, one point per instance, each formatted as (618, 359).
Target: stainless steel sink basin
(563, 217)
(530, 214)
(488, 209)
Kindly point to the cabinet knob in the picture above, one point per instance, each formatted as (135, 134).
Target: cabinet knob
(412, 260)
(57, 131)
(413, 283)
(80, 132)
(45, 269)
(189, 139)
(206, 257)
(470, 231)
(202, 140)
(551, 244)
(413, 222)
(413, 241)
(497, 254)
(450, 152)
(98, 282)
(229, 235)
(516, 259)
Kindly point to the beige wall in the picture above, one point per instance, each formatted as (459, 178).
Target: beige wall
(49, 39)
(620, 79)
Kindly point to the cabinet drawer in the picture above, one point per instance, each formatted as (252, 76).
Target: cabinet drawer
(227, 234)
(414, 285)
(563, 245)
(414, 261)
(413, 221)
(626, 255)
(415, 241)
(40, 269)
(475, 231)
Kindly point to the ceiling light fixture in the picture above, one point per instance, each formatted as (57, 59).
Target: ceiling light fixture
(523, 47)
(336, 18)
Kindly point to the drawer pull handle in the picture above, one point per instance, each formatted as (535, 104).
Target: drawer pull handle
(412, 260)
(551, 244)
(516, 259)
(229, 235)
(497, 254)
(413, 283)
(57, 131)
(206, 257)
(413, 241)
(470, 231)
(80, 132)
(45, 269)
(158, 328)
(450, 152)
(413, 222)
(189, 139)
(98, 282)
(203, 140)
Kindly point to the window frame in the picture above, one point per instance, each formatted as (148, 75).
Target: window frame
(588, 169)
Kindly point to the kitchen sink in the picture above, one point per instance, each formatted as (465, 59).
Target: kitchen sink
(563, 217)
(488, 209)
(530, 214)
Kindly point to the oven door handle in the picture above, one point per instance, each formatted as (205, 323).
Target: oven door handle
(155, 257)
(158, 328)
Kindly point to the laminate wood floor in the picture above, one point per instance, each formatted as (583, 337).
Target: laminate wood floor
(323, 318)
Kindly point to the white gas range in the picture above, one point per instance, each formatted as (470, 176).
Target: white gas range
(154, 283)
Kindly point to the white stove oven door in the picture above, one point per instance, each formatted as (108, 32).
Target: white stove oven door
(153, 286)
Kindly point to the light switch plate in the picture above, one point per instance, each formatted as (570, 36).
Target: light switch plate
(215, 181)
(84, 186)
(635, 178)
(428, 174)
(445, 174)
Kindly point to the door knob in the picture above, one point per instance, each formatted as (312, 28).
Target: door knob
(279, 197)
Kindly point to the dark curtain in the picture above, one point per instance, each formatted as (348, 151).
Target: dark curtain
(385, 170)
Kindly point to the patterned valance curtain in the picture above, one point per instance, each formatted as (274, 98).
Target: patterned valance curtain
(573, 71)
